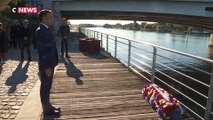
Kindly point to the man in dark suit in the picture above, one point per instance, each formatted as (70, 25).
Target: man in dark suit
(25, 39)
(48, 59)
(64, 31)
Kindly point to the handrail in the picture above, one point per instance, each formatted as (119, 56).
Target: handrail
(136, 67)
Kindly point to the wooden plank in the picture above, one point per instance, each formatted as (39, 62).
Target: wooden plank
(93, 66)
(95, 94)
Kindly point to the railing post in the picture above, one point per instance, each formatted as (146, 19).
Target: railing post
(107, 43)
(81, 30)
(97, 35)
(153, 64)
(129, 53)
(94, 34)
(90, 33)
(210, 98)
(101, 40)
(115, 47)
(87, 32)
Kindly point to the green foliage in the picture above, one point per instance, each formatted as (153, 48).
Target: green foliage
(143, 24)
(118, 26)
(13, 3)
(158, 27)
(107, 26)
(7, 14)
(86, 25)
(148, 27)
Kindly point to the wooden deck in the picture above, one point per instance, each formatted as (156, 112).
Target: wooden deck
(98, 87)
(91, 87)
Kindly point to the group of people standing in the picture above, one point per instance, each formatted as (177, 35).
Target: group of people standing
(17, 36)
(21, 36)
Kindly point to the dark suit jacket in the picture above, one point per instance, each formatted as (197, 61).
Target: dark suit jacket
(15, 31)
(3, 41)
(25, 32)
(48, 57)
(64, 30)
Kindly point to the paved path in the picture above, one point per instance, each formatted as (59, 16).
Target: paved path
(16, 82)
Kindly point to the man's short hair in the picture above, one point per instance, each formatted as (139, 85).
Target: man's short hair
(42, 14)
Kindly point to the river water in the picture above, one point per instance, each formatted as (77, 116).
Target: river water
(195, 44)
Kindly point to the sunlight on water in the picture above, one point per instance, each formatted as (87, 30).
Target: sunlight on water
(196, 44)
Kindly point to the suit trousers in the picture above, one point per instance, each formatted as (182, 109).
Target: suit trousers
(64, 43)
(25, 45)
(46, 83)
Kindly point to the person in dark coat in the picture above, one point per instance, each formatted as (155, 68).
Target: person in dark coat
(14, 34)
(25, 39)
(64, 32)
(48, 59)
(3, 44)
(34, 27)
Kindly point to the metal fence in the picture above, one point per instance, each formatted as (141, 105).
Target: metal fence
(148, 60)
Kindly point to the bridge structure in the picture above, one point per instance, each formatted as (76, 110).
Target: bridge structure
(198, 13)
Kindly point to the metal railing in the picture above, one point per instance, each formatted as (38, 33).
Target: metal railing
(148, 66)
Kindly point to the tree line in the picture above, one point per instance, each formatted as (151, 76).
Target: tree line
(157, 27)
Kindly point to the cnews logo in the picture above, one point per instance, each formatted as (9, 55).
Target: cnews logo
(25, 10)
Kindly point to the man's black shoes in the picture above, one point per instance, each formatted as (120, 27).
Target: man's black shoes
(54, 108)
(67, 56)
(53, 113)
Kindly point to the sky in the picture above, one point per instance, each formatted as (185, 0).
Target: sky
(102, 22)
